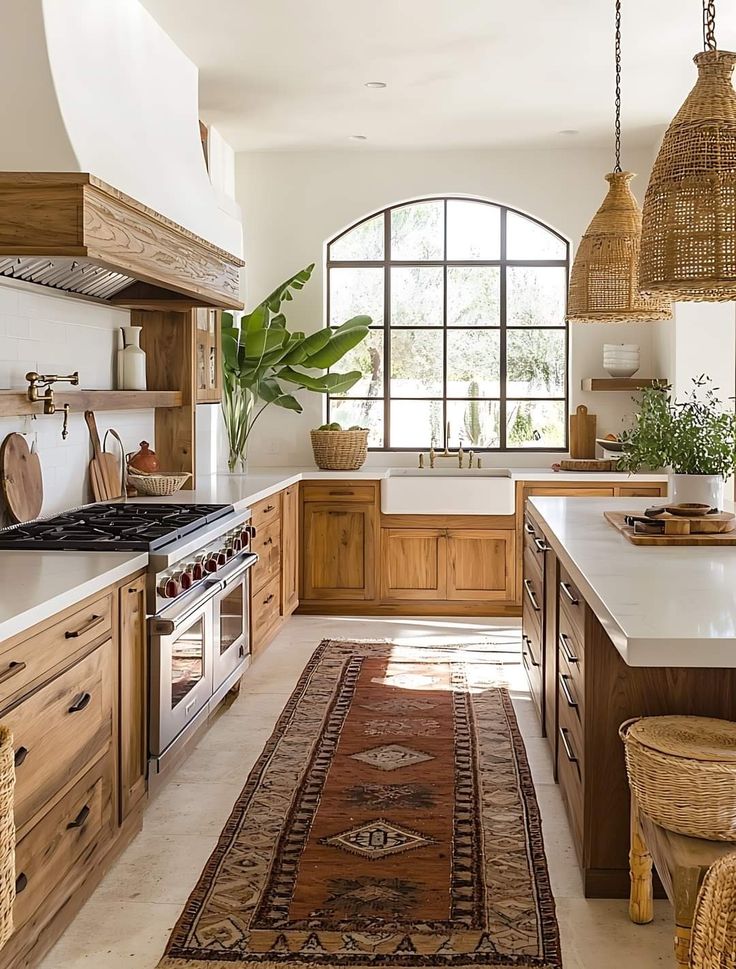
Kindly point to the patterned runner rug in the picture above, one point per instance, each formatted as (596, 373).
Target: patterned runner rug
(390, 822)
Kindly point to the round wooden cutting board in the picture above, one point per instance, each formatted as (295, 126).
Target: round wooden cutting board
(20, 475)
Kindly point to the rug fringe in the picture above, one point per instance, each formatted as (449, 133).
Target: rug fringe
(169, 963)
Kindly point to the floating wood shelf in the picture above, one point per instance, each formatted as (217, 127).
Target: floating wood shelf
(15, 402)
(621, 384)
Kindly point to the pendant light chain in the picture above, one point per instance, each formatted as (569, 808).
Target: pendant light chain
(709, 24)
(617, 167)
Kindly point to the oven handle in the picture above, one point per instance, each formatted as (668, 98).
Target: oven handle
(236, 569)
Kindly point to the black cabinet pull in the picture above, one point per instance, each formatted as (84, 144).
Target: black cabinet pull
(529, 528)
(20, 883)
(268, 508)
(268, 599)
(542, 546)
(567, 589)
(80, 819)
(529, 589)
(566, 744)
(20, 755)
(81, 703)
(75, 633)
(566, 651)
(571, 701)
(12, 670)
(529, 650)
(269, 541)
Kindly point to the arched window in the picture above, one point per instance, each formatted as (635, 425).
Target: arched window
(468, 306)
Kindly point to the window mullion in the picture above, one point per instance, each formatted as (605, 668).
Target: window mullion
(502, 347)
(387, 329)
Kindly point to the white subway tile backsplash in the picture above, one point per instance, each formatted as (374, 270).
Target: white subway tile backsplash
(50, 332)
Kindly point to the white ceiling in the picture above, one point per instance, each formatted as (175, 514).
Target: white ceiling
(290, 75)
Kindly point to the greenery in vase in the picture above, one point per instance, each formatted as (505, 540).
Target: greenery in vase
(694, 436)
(262, 360)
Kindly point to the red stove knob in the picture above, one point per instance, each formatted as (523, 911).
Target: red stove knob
(221, 558)
(197, 571)
(236, 545)
(248, 532)
(186, 579)
(170, 588)
(210, 564)
(229, 552)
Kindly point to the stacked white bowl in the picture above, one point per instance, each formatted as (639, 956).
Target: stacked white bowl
(621, 359)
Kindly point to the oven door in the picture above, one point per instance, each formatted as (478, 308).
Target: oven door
(231, 625)
(181, 670)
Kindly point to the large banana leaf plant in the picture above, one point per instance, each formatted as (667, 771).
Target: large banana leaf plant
(263, 361)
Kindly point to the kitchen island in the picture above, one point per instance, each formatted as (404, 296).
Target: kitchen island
(611, 631)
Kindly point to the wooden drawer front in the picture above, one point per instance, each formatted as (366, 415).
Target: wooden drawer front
(640, 491)
(533, 593)
(531, 654)
(267, 544)
(27, 664)
(570, 775)
(573, 604)
(570, 644)
(265, 611)
(534, 543)
(571, 696)
(574, 491)
(264, 511)
(533, 566)
(60, 729)
(338, 491)
(65, 838)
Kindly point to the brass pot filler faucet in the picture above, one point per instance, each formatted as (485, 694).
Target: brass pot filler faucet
(45, 380)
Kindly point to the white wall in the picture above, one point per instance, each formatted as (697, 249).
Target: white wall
(54, 333)
(293, 202)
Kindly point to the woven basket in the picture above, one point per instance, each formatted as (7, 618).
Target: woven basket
(7, 834)
(688, 242)
(159, 483)
(713, 944)
(340, 450)
(682, 771)
(604, 281)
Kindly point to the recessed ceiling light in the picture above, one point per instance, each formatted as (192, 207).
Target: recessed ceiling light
(358, 137)
(569, 131)
(375, 84)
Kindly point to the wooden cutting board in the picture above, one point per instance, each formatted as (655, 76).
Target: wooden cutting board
(582, 433)
(616, 518)
(601, 464)
(104, 472)
(22, 483)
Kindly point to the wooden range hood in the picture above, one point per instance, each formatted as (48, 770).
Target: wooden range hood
(74, 232)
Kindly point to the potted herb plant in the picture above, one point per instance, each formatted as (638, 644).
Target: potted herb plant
(262, 360)
(695, 439)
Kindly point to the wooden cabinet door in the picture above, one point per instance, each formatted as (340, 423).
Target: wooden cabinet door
(413, 563)
(289, 550)
(133, 695)
(339, 555)
(481, 564)
(207, 356)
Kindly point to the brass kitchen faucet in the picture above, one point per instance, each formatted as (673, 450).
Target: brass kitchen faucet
(36, 380)
(455, 455)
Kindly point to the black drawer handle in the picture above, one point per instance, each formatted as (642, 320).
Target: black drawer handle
(529, 650)
(81, 703)
(20, 883)
(571, 701)
(566, 744)
(12, 670)
(20, 755)
(542, 546)
(87, 627)
(524, 659)
(268, 508)
(566, 651)
(269, 541)
(268, 599)
(529, 589)
(567, 589)
(80, 819)
(529, 528)
(343, 492)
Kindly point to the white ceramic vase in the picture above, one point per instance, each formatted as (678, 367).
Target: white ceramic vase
(704, 489)
(131, 360)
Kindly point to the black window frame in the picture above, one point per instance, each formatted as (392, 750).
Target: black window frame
(504, 264)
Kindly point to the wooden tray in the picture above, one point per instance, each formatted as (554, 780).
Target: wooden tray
(616, 518)
(592, 464)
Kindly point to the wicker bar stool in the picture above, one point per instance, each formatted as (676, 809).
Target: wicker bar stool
(714, 925)
(682, 774)
(7, 834)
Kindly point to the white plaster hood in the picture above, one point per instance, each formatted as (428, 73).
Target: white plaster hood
(97, 86)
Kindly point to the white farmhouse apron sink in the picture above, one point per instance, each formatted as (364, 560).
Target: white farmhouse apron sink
(447, 491)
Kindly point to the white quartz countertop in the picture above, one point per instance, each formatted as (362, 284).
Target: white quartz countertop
(242, 490)
(37, 585)
(661, 606)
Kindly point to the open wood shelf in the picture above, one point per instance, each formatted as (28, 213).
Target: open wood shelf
(15, 402)
(621, 384)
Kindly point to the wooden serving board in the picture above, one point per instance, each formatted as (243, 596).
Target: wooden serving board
(20, 471)
(616, 518)
(582, 433)
(595, 464)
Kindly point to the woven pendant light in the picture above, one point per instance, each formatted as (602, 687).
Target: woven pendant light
(688, 248)
(604, 280)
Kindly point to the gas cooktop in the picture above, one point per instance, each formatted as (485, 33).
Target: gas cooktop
(113, 527)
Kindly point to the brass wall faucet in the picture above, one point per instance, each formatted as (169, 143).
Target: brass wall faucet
(458, 455)
(36, 380)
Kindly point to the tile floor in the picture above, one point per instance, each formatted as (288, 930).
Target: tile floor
(126, 923)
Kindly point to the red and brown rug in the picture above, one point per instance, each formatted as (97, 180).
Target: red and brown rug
(390, 821)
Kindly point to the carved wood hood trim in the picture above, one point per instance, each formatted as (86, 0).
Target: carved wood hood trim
(151, 260)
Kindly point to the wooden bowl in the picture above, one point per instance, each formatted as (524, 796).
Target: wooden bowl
(689, 509)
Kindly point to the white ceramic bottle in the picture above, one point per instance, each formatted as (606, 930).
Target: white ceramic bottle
(133, 369)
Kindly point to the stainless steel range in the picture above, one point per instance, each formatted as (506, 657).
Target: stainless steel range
(197, 597)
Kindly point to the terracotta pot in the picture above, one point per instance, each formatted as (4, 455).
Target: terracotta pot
(144, 460)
